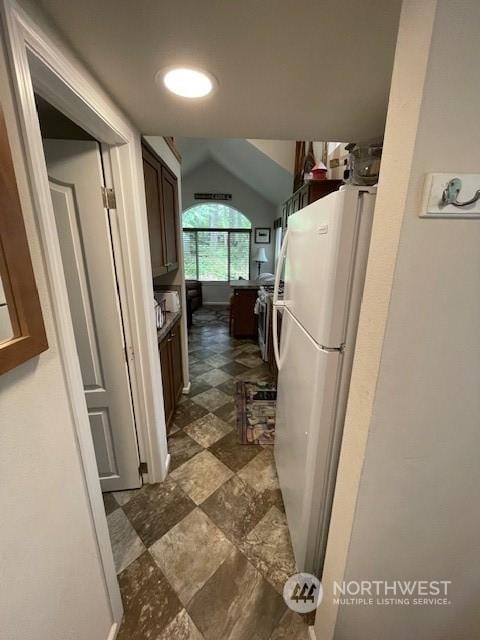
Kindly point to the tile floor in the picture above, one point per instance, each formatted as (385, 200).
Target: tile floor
(204, 555)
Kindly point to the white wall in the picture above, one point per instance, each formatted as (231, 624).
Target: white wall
(51, 585)
(412, 434)
(280, 151)
(211, 176)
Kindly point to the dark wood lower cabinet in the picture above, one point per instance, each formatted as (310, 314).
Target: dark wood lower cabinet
(243, 319)
(170, 352)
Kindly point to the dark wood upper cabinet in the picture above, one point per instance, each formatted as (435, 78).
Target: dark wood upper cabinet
(170, 216)
(310, 192)
(161, 191)
(154, 214)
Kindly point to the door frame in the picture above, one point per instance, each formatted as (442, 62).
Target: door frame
(38, 59)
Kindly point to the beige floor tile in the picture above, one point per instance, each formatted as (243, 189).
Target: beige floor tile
(212, 399)
(201, 476)
(126, 544)
(190, 553)
(214, 377)
(181, 628)
(269, 549)
(260, 473)
(208, 429)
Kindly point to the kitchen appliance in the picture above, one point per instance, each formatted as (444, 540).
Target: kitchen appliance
(263, 309)
(172, 300)
(324, 253)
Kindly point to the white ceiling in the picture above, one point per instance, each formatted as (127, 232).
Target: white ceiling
(287, 69)
(244, 160)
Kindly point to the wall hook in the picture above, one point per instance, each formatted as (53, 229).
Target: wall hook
(451, 192)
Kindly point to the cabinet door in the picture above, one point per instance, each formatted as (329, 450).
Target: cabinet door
(166, 369)
(177, 373)
(170, 216)
(152, 175)
(304, 196)
(244, 318)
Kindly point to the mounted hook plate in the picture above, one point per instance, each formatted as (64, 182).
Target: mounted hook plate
(455, 196)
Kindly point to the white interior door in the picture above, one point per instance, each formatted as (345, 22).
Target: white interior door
(304, 432)
(83, 226)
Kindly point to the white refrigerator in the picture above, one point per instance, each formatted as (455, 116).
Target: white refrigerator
(323, 261)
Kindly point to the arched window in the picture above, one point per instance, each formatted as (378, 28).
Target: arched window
(216, 243)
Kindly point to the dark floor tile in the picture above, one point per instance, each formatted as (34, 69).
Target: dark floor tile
(237, 603)
(157, 509)
(232, 453)
(228, 413)
(291, 627)
(235, 368)
(149, 601)
(229, 387)
(198, 387)
(109, 503)
(203, 353)
(187, 412)
(199, 367)
(181, 448)
(236, 509)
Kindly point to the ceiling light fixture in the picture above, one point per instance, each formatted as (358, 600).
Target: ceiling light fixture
(186, 82)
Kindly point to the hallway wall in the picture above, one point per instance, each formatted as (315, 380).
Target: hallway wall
(52, 585)
(407, 495)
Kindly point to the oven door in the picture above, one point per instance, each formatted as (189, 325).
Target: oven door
(263, 327)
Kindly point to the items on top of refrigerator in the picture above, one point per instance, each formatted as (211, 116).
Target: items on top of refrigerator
(365, 162)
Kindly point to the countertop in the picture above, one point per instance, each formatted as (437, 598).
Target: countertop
(244, 284)
(171, 318)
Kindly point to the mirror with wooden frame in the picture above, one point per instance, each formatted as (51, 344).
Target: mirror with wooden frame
(22, 332)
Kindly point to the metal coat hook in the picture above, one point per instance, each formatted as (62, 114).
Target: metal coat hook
(451, 192)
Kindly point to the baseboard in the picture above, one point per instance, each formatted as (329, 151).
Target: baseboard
(216, 304)
(311, 633)
(186, 390)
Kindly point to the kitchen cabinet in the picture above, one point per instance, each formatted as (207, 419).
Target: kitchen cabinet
(243, 321)
(309, 192)
(161, 191)
(170, 353)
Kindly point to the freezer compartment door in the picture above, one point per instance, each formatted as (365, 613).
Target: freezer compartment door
(306, 405)
(320, 258)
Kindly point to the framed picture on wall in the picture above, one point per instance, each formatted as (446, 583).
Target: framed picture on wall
(262, 235)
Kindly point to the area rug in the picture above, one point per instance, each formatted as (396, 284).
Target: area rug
(256, 405)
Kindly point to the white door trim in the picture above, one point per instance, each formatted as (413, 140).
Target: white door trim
(36, 59)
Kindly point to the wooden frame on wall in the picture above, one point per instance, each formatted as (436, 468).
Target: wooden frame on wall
(262, 235)
(28, 330)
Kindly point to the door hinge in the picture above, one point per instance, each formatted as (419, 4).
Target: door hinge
(142, 468)
(109, 200)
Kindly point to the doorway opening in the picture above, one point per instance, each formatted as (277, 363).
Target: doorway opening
(81, 188)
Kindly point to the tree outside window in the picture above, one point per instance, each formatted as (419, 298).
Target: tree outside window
(216, 243)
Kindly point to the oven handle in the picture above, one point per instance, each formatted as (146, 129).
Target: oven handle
(278, 304)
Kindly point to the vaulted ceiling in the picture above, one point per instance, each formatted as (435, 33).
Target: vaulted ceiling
(241, 158)
(286, 69)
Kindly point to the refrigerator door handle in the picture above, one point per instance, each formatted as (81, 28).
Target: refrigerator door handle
(277, 304)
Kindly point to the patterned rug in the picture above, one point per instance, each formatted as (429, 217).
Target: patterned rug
(256, 404)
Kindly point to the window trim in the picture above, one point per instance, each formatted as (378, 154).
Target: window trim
(227, 230)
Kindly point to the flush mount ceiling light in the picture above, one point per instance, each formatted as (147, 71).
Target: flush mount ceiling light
(187, 82)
